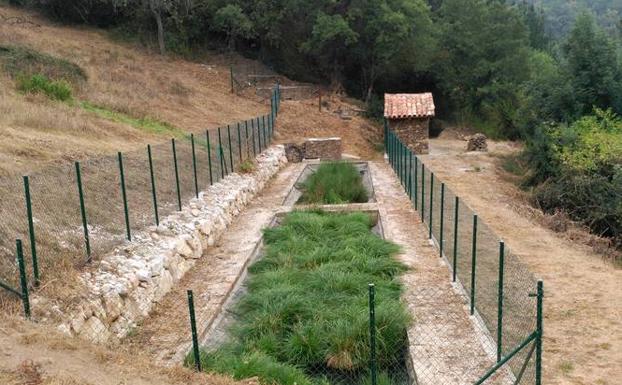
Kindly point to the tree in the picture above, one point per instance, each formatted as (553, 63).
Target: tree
(482, 59)
(330, 38)
(593, 67)
(157, 7)
(231, 20)
(394, 34)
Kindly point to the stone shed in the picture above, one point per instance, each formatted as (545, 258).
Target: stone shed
(408, 115)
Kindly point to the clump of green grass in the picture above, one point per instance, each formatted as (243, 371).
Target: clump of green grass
(334, 183)
(54, 89)
(305, 318)
(18, 61)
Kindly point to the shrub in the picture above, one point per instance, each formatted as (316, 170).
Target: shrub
(57, 89)
(578, 169)
(247, 166)
(306, 310)
(334, 183)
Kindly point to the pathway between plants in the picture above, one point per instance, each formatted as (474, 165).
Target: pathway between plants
(447, 345)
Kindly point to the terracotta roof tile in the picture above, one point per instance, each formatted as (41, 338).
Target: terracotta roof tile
(398, 106)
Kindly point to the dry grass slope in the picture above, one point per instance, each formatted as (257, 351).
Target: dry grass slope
(120, 77)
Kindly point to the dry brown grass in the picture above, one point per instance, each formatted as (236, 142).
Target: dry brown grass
(301, 119)
(123, 78)
(41, 356)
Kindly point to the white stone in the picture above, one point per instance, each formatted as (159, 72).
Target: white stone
(113, 304)
(143, 275)
(95, 330)
(164, 286)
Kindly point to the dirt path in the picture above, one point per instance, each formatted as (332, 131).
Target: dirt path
(583, 293)
(447, 345)
(166, 333)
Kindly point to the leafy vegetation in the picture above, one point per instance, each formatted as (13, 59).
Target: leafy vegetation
(54, 89)
(334, 183)
(305, 318)
(578, 168)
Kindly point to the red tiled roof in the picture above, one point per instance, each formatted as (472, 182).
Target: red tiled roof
(399, 106)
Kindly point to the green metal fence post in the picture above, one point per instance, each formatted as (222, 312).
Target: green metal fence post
(248, 150)
(253, 135)
(456, 220)
(372, 333)
(416, 183)
(410, 175)
(230, 150)
(153, 186)
(194, 167)
(176, 175)
(263, 130)
(239, 142)
(87, 242)
(500, 301)
(22, 277)
(31, 231)
(221, 155)
(209, 158)
(259, 136)
(422, 192)
(540, 331)
(473, 263)
(442, 221)
(431, 203)
(195, 335)
(126, 211)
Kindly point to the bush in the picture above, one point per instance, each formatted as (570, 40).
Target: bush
(57, 90)
(578, 169)
(306, 313)
(334, 183)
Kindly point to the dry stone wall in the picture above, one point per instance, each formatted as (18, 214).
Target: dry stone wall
(128, 282)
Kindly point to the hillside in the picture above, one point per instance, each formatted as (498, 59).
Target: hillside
(120, 79)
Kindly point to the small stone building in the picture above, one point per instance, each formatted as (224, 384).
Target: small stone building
(408, 115)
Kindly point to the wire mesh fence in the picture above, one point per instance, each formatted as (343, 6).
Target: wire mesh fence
(500, 292)
(72, 214)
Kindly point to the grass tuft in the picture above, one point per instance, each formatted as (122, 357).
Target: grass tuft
(305, 318)
(54, 89)
(334, 183)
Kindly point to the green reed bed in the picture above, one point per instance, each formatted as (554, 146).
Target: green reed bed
(305, 317)
(334, 183)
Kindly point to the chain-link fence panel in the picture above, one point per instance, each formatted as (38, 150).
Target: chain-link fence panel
(498, 291)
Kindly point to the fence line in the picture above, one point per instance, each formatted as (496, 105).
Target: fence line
(502, 293)
(71, 214)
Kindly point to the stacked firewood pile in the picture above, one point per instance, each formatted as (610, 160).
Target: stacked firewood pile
(477, 142)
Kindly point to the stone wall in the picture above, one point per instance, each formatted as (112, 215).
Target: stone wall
(415, 133)
(314, 148)
(129, 281)
(323, 148)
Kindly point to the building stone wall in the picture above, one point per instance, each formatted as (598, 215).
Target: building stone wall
(414, 132)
